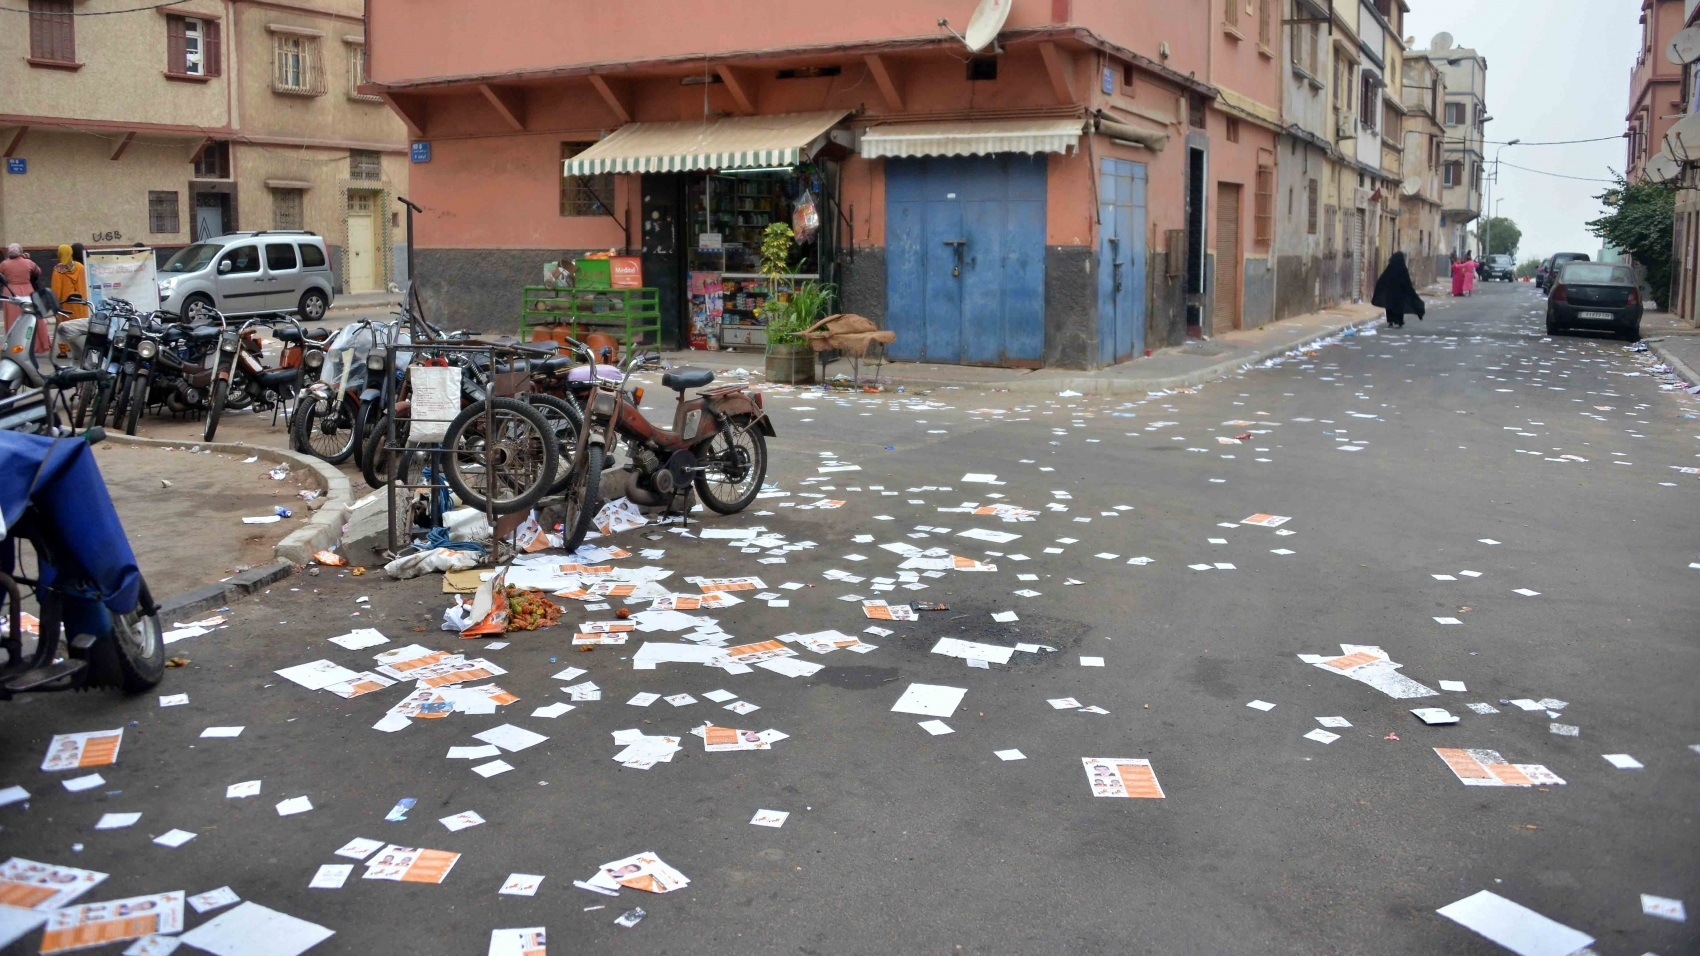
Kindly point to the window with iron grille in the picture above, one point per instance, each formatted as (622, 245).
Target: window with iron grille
(357, 73)
(52, 31)
(1311, 195)
(584, 195)
(287, 208)
(162, 212)
(1265, 205)
(192, 47)
(295, 65)
(1265, 26)
(214, 161)
(365, 164)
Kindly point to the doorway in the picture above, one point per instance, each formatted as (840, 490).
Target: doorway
(1225, 314)
(661, 243)
(1121, 261)
(361, 256)
(965, 262)
(211, 215)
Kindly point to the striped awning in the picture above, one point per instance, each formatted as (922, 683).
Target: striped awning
(972, 137)
(733, 142)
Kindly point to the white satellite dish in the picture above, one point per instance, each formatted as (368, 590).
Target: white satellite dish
(1441, 42)
(1683, 140)
(984, 25)
(1684, 47)
(1663, 168)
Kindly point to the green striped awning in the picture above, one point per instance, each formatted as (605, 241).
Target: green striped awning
(733, 142)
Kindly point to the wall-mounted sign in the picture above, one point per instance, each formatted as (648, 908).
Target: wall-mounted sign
(708, 240)
(420, 152)
(17, 167)
(1109, 79)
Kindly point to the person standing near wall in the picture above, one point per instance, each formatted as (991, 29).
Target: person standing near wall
(17, 274)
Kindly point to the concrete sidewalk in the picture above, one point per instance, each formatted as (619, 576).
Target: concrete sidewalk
(1674, 341)
(1193, 363)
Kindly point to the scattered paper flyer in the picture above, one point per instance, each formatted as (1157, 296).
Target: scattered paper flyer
(1122, 777)
(90, 924)
(213, 899)
(360, 638)
(521, 884)
(510, 738)
(236, 932)
(317, 675)
(1664, 908)
(528, 941)
(247, 788)
(774, 818)
(929, 700)
(719, 739)
(1322, 736)
(462, 820)
(1486, 768)
(1434, 715)
(1516, 927)
(330, 876)
(936, 727)
(410, 865)
(29, 885)
(96, 748)
(644, 871)
(174, 838)
(972, 651)
(293, 806)
(1265, 521)
(1370, 665)
(359, 848)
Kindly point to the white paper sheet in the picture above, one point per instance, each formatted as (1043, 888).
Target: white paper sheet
(929, 700)
(255, 930)
(1516, 927)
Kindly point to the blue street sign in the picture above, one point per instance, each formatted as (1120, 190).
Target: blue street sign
(1109, 79)
(421, 152)
(17, 167)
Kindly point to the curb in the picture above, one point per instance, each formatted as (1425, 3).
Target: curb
(211, 597)
(1677, 365)
(1095, 385)
(321, 532)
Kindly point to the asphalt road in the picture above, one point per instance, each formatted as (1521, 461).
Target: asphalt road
(1392, 454)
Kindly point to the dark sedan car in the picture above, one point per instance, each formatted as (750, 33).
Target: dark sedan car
(1600, 296)
(1555, 264)
(1501, 267)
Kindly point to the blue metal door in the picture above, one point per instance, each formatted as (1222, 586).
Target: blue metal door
(965, 259)
(1121, 261)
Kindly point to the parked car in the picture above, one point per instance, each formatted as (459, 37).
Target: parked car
(1555, 263)
(245, 273)
(1601, 296)
(1503, 268)
(1541, 275)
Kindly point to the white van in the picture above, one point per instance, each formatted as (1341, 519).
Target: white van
(243, 273)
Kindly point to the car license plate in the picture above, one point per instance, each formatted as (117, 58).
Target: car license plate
(1596, 315)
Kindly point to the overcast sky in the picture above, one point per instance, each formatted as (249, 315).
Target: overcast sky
(1557, 70)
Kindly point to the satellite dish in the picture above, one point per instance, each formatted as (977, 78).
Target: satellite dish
(1441, 42)
(1663, 168)
(1684, 47)
(984, 25)
(1683, 140)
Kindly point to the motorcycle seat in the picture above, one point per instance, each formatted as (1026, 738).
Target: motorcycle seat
(205, 333)
(287, 333)
(682, 378)
(276, 377)
(606, 373)
(552, 364)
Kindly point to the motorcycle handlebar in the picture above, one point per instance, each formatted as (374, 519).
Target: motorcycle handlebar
(73, 377)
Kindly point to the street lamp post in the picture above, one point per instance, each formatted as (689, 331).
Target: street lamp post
(1491, 182)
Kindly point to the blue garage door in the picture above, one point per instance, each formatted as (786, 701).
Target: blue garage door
(965, 259)
(1121, 261)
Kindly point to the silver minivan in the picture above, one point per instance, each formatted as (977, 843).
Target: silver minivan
(242, 273)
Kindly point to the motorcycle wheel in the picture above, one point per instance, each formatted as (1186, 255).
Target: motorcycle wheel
(733, 467)
(239, 398)
(118, 400)
(220, 394)
(521, 445)
(374, 461)
(138, 398)
(137, 648)
(582, 500)
(564, 416)
(309, 427)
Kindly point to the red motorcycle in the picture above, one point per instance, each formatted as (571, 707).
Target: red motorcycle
(718, 443)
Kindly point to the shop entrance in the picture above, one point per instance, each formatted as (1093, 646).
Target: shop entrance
(965, 259)
(1121, 261)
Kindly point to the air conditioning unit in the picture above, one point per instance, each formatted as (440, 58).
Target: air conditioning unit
(1345, 126)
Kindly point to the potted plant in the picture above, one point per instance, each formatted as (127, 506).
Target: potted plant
(790, 358)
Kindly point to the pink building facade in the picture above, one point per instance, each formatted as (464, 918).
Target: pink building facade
(1076, 192)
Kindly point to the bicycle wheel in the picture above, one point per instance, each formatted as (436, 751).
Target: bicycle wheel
(324, 428)
(220, 394)
(564, 416)
(582, 499)
(514, 451)
(734, 463)
(374, 460)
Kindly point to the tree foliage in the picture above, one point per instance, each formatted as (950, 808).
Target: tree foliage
(1501, 236)
(1639, 223)
(1527, 269)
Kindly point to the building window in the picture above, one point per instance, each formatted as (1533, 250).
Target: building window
(162, 213)
(1452, 174)
(295, 65)
(357, 73)
(365, 164)
(983, 68)
(1328, 230)
(192, 47)
(1233, 130)
(1265, 19)
(214, 161)
(1264, 208)
(1231, 12)
(584, 195)
(1369, 88)
(1311, 196)
(53, 35)
(287, 205)
(1195, 110)
(1455, 114)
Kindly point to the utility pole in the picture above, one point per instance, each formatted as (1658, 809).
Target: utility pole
(1491, 182)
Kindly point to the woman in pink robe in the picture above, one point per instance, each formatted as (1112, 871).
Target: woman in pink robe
(1469, 273)
(1457, 277)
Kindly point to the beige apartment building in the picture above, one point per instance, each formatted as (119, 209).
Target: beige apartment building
(1422, 238)
(163, 126)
